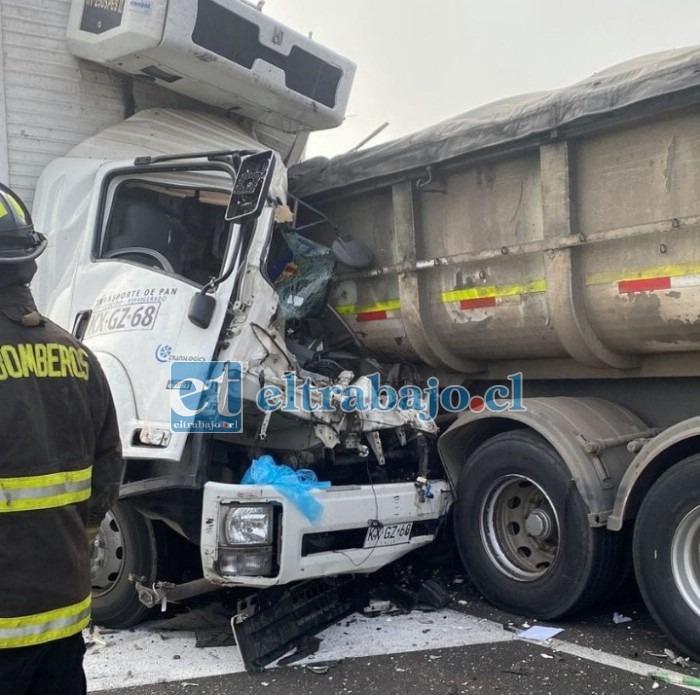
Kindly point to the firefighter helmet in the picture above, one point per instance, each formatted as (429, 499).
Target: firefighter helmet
(18, 240)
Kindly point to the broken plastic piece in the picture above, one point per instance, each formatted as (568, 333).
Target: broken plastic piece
(307, 646)
(677, 660)
(277, 620)
(214, 638)
(432, 596)
(619, 618)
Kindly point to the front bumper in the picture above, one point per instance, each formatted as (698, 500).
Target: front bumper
(302, 550)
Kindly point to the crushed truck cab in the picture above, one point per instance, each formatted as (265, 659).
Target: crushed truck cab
(176, 260)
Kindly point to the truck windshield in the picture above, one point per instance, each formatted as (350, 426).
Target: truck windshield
(181, 231)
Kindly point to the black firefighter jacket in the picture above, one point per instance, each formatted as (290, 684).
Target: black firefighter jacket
(60, 469)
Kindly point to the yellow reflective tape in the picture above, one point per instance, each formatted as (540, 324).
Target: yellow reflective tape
(47, 616)
(3, 209)
(26, 630)
(494, 291)
(388, 305)
(34, 481)
(50, 502)
(44, 637)
(609, 276)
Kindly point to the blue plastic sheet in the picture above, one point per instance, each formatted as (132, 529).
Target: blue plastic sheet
(294, 485)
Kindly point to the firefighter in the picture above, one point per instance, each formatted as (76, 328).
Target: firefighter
(60, 470)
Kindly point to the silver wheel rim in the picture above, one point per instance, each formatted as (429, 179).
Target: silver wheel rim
(685, 559)
(519, 528)
(107, 558)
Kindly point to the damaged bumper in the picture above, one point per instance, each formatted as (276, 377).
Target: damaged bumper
(254, 536)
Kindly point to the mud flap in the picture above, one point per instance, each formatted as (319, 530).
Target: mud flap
(277, 620)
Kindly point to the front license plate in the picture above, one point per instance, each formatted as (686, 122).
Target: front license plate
(391, 534)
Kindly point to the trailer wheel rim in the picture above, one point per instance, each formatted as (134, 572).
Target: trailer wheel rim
(685, 559)
(519, 528)
(107, 558)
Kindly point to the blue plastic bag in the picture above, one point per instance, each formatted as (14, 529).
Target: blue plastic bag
(294, 485)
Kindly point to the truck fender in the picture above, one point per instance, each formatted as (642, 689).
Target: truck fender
(122, 392)
(656, 456)
(568, 424)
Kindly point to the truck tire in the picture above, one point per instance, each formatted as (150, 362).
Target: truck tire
(522, 531)
(667, 556)
(125, 545)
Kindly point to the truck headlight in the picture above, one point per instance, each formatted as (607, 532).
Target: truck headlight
(248, 525)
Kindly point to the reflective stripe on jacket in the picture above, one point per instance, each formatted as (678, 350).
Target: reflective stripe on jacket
(44, 491)
(27, 630)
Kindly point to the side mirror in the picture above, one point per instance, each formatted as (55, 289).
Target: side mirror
(251, 186)
(201, 310)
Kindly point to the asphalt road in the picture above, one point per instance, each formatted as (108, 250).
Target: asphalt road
(593, 655)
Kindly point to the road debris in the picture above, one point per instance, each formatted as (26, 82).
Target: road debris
(683, 661)
(378, 607)
(517, 670)
(279, 619)
(307, 646)
(94, 637)
(215, 637)
(319, 669)
(539, 633)
(619, 618)
(411, 591)
(672, 657)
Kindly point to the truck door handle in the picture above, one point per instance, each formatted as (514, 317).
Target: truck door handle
(82, 319)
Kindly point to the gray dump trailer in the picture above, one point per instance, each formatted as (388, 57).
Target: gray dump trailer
(555, 235)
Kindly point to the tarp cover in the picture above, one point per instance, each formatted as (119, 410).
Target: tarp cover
(507, 121)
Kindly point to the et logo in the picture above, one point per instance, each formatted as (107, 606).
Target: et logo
(206, 397)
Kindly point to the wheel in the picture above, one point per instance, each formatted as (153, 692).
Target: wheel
(125, 545)
(144, 252)
(667, 554)
(522, 531)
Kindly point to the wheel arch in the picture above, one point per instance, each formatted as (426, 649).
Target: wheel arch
(567, 424)
(656, 457)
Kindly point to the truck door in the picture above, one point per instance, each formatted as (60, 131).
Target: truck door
(160, 236)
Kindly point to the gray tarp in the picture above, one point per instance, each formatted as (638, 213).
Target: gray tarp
(507, 121)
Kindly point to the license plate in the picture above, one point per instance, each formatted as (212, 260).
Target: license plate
(391, 534)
